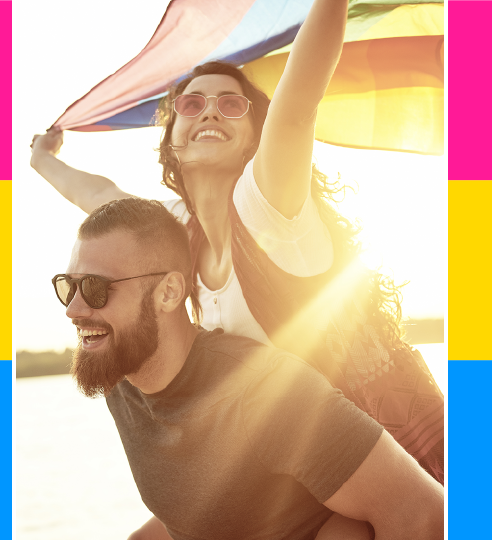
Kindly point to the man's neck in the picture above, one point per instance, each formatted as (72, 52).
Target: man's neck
(175, 342)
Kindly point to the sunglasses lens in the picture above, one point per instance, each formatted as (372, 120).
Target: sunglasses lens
(64, 290)
(233, 106)
(94, 291)
(190, 104)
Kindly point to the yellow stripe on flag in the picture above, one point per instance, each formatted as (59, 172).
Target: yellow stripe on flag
(409, 20)
(385, 94)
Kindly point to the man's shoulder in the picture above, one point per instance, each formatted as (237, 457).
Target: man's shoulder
(238, 349)
(225, 364)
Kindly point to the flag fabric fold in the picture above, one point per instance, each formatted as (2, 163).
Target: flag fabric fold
(387, 91)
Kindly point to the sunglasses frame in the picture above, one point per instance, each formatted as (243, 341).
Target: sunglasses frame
(217, 105)
(74, 282)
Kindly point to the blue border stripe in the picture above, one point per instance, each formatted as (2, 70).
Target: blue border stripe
(6, 449)
(469, 449)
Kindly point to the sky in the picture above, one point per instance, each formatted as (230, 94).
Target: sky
(61, 52)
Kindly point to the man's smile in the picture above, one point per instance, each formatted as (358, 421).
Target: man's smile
(92, 337)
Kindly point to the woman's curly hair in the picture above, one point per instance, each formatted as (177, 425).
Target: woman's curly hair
(384, 305)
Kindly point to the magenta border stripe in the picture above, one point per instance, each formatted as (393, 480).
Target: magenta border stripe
(6, 91)
(470, 90)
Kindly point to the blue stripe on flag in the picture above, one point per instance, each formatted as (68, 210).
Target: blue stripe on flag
(140, 116)
(267, 26)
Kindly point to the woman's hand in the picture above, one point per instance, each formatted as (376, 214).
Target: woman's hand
(50, 142)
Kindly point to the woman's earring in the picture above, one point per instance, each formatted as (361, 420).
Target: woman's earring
(177, 157)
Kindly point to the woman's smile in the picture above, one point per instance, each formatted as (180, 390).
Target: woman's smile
(210, 134)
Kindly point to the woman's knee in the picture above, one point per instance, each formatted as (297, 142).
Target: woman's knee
(344, 528)
(152, 530)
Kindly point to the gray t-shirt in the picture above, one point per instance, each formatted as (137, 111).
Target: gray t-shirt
(246, 442)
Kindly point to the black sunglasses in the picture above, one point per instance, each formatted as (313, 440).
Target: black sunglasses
(94, 289)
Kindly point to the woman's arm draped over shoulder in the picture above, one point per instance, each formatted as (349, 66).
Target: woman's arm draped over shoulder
(85, 190)
(392, 492)
(282, 166)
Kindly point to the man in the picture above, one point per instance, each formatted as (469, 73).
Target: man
(226, 438)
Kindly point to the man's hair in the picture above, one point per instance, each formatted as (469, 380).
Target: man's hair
(157, 232)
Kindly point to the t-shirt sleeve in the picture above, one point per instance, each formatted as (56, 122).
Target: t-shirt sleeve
(301, 246)
(298, 424)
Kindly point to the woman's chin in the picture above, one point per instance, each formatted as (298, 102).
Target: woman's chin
(220, 161)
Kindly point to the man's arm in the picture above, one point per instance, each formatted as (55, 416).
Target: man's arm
(391, 491)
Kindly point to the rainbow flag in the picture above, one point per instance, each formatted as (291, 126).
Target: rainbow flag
(387, 91)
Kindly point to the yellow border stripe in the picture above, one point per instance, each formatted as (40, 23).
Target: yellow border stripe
(470, 270)
(6, 269)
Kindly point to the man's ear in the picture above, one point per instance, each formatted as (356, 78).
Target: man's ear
(169, 294)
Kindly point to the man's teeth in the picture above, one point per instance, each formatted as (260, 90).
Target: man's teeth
(92, 332)
(210, 133)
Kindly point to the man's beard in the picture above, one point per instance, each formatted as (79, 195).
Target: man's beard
(96, 373)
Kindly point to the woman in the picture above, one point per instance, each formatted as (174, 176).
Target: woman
(272, 259)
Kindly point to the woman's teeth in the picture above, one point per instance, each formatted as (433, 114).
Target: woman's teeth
(210, 133)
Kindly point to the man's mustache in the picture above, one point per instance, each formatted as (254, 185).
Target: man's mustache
(87, 323)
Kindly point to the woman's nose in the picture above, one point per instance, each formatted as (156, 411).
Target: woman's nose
(211, 110)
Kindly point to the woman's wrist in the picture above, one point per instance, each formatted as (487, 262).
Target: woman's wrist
(40, 157)
(37, 157)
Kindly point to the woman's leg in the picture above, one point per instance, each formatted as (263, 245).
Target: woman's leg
(343, 528)
(336, 528)
(151, 530)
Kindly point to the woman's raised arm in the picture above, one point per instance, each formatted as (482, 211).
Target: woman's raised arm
(282, 166)
(85, 190)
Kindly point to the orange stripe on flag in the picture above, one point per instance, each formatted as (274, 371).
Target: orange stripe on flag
(385, 94)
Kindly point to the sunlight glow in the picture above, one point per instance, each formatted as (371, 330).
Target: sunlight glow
(309, 330)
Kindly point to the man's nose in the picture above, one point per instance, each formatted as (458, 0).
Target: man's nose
(78, 309)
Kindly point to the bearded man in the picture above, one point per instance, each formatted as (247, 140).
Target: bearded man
(226, 438)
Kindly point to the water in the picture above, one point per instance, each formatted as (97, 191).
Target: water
(73, 481)
(435, 356)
